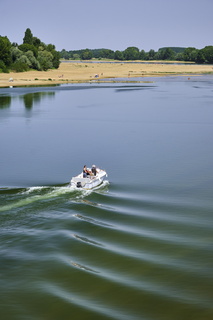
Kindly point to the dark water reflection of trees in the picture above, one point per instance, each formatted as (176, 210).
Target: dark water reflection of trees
(29, 99)
(5, 102)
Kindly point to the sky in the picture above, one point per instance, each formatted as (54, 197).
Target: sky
(110, 24)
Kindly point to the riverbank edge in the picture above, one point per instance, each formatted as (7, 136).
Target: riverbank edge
(86, 72)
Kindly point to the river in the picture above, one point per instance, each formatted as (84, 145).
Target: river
(138, 247)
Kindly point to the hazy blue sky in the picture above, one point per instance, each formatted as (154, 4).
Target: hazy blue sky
(111, 24)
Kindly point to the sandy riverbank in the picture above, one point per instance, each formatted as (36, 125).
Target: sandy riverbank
(73, 72)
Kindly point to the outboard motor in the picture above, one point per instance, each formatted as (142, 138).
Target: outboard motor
(79, 185)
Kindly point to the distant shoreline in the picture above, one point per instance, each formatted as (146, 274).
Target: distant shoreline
(85, 71)
(128, 61)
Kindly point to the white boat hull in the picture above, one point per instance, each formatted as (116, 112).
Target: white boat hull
(90, 182)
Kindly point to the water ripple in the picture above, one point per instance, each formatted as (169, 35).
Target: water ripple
(93, 221)
(84, 239)
(107, 255)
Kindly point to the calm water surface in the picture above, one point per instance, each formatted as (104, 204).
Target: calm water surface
(139, 247)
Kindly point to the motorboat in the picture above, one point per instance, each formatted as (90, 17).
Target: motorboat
(91, 181)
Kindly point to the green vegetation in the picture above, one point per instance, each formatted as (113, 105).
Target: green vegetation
(34, 54)
(31, 54)
(5, 56)
(190, 54)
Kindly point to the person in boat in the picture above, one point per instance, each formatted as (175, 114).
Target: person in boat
(86, 172)
(94, 170)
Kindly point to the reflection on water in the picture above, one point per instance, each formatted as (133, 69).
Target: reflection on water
(5, 102)
(29, 99)
(34, 98)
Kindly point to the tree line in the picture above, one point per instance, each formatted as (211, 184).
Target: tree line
(191, 54)
(31, 54)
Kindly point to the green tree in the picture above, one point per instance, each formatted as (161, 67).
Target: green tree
(19, 66)
(76, 56)
(24, 59)
(55, 54)
(15, 53)
(151, 54)
(131, 53)
(5, 54)
(86, 54)
(29, 47)
(33, 62)
(106, 53)
(56, 59)
(169, 54)
(200, 56)
(179, 56)
(3, 67)
(64, 54)
(193, 56)
(36, 42)
(118, 55)
(143, 55)
(50, 47)
(189, 54)
(165, 54)
(208, 54)
(28, 37)
(45, 59)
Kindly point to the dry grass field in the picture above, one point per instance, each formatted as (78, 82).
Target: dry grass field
(73, 72)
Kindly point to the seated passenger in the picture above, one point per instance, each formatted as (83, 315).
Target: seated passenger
(86, 172)
(94, 170)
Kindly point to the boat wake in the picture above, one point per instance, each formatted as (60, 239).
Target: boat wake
(24, 197)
